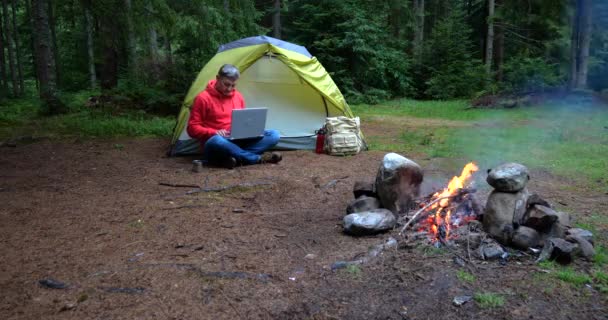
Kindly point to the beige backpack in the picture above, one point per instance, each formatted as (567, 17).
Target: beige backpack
(343, 136)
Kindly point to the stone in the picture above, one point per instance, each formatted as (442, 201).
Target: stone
(540, 218)
(460, 300)
(585, 234)
(364, 188)
(499, 213)
(369, 222)
(490, 249)
(558, 229)
(398, 183)
(363, 203)
(559, 250)
(586, 248)
(536, 199)
(508, 177)
(525, 237)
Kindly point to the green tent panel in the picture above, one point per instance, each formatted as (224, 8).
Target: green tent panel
(278, 75)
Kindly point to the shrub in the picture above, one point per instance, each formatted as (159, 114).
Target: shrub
(529, 74)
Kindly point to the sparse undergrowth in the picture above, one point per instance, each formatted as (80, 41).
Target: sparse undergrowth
(25, 117)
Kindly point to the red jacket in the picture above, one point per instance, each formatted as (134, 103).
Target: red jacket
(212, 111)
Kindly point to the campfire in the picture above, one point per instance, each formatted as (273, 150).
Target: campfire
(450, 208)
(512, 217)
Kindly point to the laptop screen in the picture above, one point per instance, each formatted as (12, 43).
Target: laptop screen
(248, 123)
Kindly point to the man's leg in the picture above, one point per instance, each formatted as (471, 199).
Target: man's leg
(270, 139)
(218, 150)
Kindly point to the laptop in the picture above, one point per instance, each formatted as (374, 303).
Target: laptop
(248, 123)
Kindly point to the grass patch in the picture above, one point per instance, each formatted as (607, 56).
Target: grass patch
(569, 141)
(353, 269)
(600, 279)
(600, 258)
(428, 250)
(465, 276)
(488, 300)
(449, 110)
(576, 278)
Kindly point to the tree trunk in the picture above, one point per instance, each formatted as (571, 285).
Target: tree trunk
(585, 40)
(490, 39)
(30, 14)
(19, 65)
(45, 63)
(132, 59)
(52, 25)
(9, 45)
(153, 45)
(395, 19)
(419, 28)
(227, 6)
(3, 71)
(499, 55)
(276, 20)
(574, 45)
(90, 45)
(167, 44)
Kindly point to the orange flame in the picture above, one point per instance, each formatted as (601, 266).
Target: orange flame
(457, 183)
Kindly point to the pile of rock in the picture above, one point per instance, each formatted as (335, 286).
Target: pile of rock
(514, 217)
(377, 204)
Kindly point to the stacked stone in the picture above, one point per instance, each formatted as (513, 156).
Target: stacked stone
(378, 203)
(517, 218)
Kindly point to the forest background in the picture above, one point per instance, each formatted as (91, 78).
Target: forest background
(146, 53)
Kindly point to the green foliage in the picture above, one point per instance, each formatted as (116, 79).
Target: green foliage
(204, 25)
(489, 300)
(363, 59)
(447, 66)
(530, 74)
(150, 99)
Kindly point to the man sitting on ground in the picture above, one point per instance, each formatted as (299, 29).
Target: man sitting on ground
(210, 120)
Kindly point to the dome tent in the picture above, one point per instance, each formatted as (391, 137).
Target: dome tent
(278, 75)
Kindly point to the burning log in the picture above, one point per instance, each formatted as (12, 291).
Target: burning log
(459, 194)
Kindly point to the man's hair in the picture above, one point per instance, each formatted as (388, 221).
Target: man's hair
(229, 71)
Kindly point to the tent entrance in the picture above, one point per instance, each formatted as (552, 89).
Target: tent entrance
(294, 107)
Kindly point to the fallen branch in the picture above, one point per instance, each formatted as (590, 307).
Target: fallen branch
(224, 188)
(371, 254)
(263, 277)
(185, 206)
(177, 185)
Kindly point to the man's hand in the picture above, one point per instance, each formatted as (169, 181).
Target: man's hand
(223, 133)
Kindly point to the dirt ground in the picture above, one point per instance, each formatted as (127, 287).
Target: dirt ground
(93, 215)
